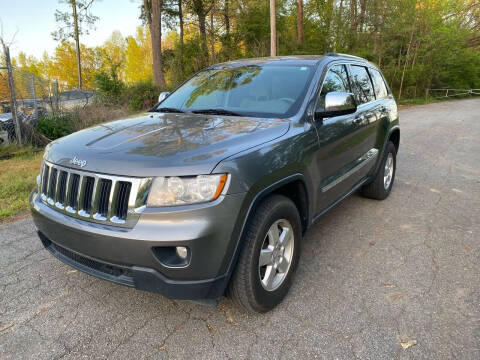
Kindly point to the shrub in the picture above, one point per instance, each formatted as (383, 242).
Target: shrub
(141, 95)
(98, 113)
(109, 87)
(55, 126)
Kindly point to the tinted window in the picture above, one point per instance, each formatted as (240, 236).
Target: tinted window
(378, 84)
(335, 80)
(256, 90)
(362, 85)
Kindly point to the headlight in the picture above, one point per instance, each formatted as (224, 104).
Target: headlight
(172, 191)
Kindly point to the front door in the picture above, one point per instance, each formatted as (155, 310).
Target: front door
(337, 136)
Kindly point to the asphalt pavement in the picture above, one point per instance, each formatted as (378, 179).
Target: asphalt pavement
(392, 279)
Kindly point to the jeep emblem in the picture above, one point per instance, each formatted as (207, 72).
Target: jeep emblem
(78, 162)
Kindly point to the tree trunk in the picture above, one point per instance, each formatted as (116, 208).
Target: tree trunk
(353, 23)
(273, 29)
(415, 55)
(180, 19)
(13, 101)
(77, 43)
(300, 22)
(154, 19)
(212, 37)
(226, 20)
(338, 21)
(203, 37)
(406, 59)
(363, 9)
(226, 17)
(201, 8)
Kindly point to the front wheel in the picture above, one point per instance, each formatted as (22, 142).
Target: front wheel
(269, 258)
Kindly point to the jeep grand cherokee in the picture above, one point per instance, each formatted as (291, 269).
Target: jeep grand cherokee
(211, 191)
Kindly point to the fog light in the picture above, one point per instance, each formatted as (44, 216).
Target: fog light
(182, 252)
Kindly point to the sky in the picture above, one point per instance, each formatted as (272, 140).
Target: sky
(33, 21)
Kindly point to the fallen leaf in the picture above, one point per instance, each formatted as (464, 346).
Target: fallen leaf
(229, 317)
(469, 248)
(387, 286)
(371, 243)
(228, 314)
(395, 297)
(211, 329)
(163, 347)
(406, 344)
(8, 326)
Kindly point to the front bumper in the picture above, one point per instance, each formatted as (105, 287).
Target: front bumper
(125, 256)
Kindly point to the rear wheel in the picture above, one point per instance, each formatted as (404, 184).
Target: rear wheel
(269, 258)
(382, 184)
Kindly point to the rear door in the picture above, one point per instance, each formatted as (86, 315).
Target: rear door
(384, 105)
(366, 119)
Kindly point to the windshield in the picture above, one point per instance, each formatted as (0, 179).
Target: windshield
(257, 90)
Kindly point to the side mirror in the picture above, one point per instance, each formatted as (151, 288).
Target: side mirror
(336, 104)
(163, 96)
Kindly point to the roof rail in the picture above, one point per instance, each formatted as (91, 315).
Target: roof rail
(344, 55)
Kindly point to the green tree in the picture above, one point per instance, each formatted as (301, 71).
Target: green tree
(73, 24)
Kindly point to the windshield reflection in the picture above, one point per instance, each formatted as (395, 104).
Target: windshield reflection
(254, 90)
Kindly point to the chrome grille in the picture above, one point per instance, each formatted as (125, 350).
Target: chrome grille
(104, 196)
(114, 200)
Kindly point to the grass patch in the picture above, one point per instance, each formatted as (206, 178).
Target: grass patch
(430, 100)
(17, 179)
(418, 101)
(13, 150)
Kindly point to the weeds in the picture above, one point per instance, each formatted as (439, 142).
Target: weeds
(17, 180)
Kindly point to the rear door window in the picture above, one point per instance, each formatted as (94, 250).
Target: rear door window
(362, 85)
(378, 84)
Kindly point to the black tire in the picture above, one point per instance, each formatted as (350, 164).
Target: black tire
(376, 189)
(245, 287)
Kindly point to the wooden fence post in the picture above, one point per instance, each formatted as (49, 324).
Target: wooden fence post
(13, 100)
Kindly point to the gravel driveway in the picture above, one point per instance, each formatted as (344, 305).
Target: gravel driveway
(373, 276)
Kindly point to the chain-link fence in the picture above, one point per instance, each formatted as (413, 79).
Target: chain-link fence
(29, 102)
(26, 97)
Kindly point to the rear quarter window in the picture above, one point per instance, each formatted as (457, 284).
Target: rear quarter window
(378, 84)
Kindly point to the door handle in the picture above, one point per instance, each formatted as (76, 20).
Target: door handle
(359, 119)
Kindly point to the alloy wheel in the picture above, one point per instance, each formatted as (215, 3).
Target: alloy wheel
(388, 173)
(276, 254)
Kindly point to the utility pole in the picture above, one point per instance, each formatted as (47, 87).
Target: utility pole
(77, 43)
(300, 22)
(13, 102)
(273, 29)
(34, 93)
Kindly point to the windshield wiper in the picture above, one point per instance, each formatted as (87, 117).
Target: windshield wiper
(168, 110)
(216, 112)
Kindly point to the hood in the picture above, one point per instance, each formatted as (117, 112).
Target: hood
(161, 144)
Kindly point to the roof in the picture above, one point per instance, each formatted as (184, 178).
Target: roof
(291, 59)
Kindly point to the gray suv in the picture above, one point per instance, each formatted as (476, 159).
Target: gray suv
(211, 191)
